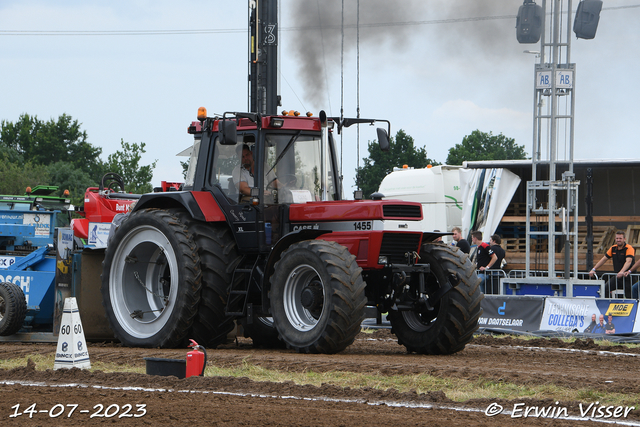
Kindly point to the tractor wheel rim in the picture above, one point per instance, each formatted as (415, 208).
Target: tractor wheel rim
(144, 289)
(302, 280)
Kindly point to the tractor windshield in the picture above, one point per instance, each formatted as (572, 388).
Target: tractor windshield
(296, 161)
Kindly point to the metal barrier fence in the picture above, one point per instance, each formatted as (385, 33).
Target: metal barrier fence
(492, 281)
(626, 287)
(631, 283)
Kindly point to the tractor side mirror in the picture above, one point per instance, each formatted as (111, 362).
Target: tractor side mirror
(383, 139)
(228, 129)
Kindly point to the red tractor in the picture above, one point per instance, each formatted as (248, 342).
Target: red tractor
(260, 234)
(101, 205)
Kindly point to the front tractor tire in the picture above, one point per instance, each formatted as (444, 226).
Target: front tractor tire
(317, 297)
(151, 280)
(451, 324)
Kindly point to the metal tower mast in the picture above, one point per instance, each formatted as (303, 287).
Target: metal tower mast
(548, 195)
(263, 56)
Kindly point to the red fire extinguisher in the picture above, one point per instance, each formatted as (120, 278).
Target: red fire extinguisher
(196, 360)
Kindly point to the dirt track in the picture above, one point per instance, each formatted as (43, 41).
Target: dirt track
(239, 401)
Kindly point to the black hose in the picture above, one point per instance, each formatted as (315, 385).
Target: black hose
(204, 365)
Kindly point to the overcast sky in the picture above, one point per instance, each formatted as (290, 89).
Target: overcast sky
(439, 75)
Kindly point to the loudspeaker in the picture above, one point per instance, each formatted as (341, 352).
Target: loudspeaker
(529, 22)
(587, 17)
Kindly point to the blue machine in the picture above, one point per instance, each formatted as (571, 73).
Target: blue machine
(28, 231)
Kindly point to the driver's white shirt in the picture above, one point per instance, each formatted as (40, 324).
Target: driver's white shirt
(241, 174)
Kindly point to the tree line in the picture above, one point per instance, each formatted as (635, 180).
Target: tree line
(57, 152)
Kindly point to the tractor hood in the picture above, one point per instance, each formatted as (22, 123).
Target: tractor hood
(353, 210)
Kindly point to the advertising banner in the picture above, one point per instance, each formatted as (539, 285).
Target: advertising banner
(516, 313)
(588, 315)
(636, 324)
(98, 234)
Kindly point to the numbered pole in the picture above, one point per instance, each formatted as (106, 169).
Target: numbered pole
(72, 349)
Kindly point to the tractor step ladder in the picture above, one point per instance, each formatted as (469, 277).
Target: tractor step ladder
(243, 276)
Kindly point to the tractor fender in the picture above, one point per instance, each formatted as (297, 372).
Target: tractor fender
(282, 244)
(430, 236)
(201, 205)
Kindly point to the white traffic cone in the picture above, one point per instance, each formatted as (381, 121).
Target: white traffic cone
(72, 349)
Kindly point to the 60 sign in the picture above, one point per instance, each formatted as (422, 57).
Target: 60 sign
(66, 329)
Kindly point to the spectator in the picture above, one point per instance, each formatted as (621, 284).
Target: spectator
(497, 249)
(634, 288)
(485, 256)
(610, 328)
(459, 241)
(592, 325)
(623, 255)
(600, 327)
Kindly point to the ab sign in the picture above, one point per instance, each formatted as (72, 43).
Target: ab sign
(564, 79)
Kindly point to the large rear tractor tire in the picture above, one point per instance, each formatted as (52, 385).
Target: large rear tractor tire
(13, 308)
(450, 326)
(151, 280)
(317, 297)
(218, 259)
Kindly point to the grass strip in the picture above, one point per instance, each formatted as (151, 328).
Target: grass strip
(456, 389)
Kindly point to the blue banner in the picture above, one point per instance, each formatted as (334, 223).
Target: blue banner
(589, 315)
(508, 312)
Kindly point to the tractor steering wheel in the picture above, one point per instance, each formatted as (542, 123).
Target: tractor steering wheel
(286, 179)
(282, 194)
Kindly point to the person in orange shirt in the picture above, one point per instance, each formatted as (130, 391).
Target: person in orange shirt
(623, 256)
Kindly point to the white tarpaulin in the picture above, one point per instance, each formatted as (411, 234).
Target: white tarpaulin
(486, 193)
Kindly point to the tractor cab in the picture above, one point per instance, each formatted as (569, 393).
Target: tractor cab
(257, 166)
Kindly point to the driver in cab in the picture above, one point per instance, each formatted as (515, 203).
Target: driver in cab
(243, 175)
